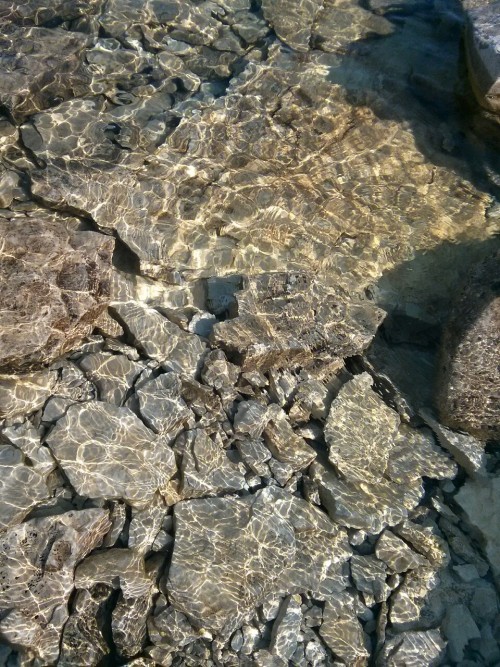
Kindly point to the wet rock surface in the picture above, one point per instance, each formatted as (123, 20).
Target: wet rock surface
(231, 237)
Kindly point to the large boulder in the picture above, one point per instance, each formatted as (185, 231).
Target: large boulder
(469, 375)
(483, 54)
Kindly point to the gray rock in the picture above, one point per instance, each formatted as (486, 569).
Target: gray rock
(409, 603)
(112, 374)
(251, 418)
(24, 394)
(144, 527)
(26, 438)
(21, 486)
(55, 408)
(459, 629)
(159, 338)
(344, 636)
(483, 51)
(107, 452)
(83, 640)
(255, 455)
(39, 556)
(395, 553)
(170, 629)
(57, 283)
(218, 372)
(424, 540)
(416, 455)
(311, 401)
(283, 544)
(162, 407)
(465, 449)
(118, 518)
(49, 64)
(206, 468)
(419, 649)
(286, 628)
(128, 624)
(122, 569)
(118, 568)
(285, 445)
(292, 22)
(369, 575)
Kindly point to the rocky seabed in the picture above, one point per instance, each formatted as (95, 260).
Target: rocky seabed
(249, 333)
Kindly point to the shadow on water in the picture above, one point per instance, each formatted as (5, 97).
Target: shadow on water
(417, 75)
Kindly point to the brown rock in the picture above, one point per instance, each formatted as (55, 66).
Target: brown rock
(468, 395)
(56, 284)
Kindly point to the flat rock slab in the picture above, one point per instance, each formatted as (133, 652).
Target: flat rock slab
(483, 51)
(231, 554)
(26, 393)
(360, 431)
(292, 319)
(107, 452)
(38, 559)
(56, 282)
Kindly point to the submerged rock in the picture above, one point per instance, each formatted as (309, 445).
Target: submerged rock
(83, 639)
(38, 559)
(365, 506)
(162, 407)
(483, 53)
(286, 628)
(21, 486)
(281, 543)
(206, 468)
(161, 339)
(343, 634)
(292, 319)
(107, 452)
(469, 380)
(112, 374)
(24, 394)
(360, 431)
(480, 500)
(419, 649)
(45, 65)
(56, 282)
(292, 22)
